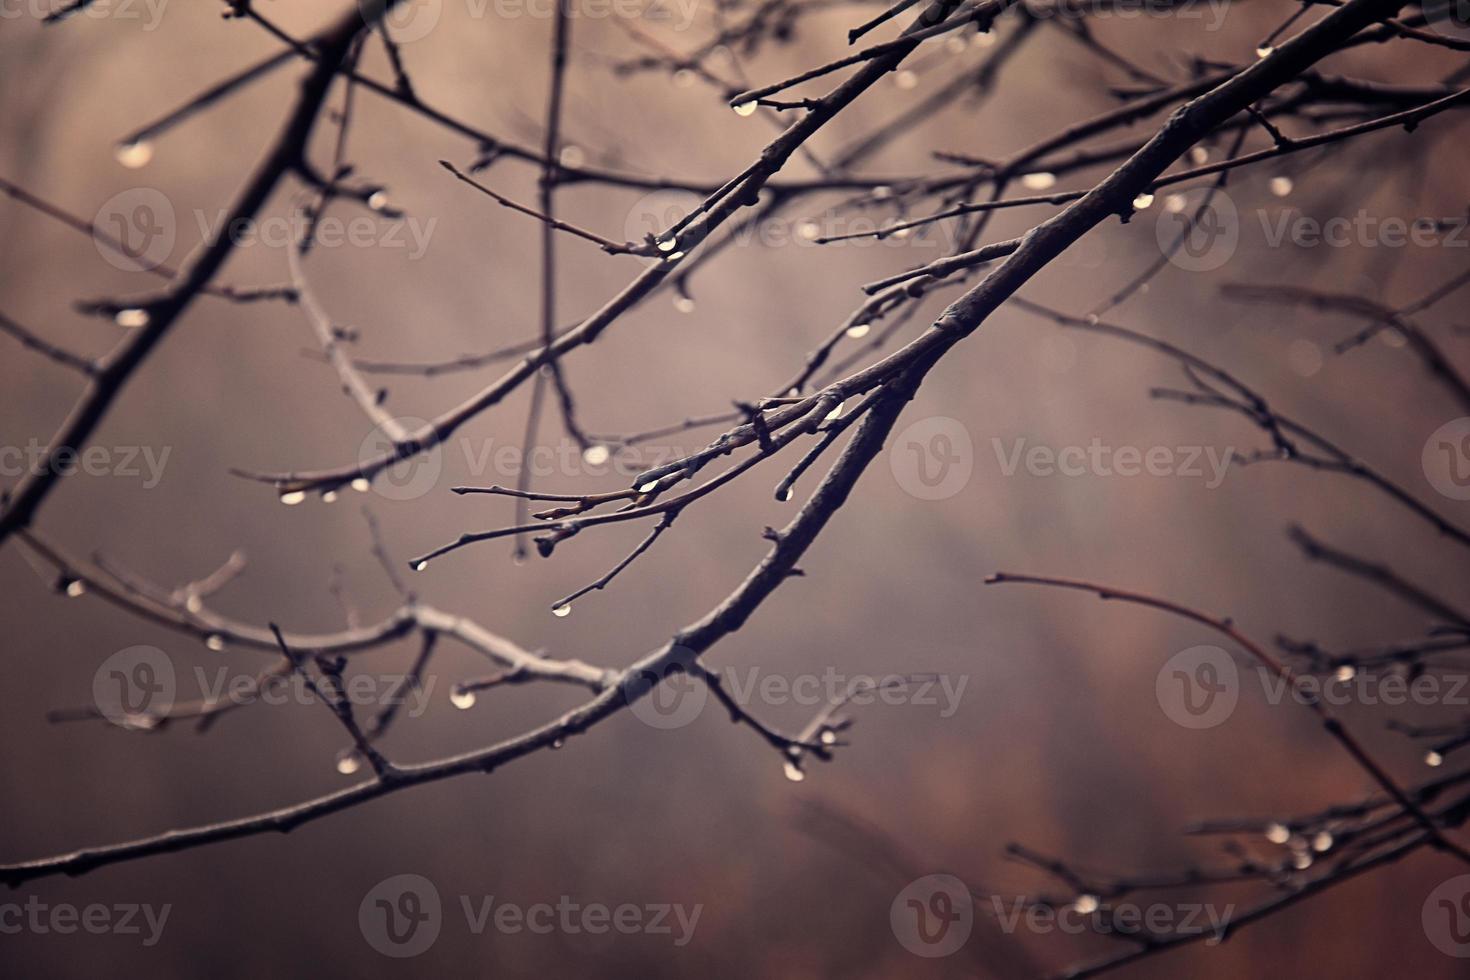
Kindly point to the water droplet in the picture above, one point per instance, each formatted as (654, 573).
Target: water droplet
(828, 737)
(76, 587)
(784, 494)
(668, 244)
(836, 413)
(1086, 904)
(348, 762)
(194, 604)
(1198, 154)
(673, 256)
(558, 743)
(859, 330)
(683, 304)
(214, 642)
(420, 565)
(683, 78)
(905, 79)
(1346, 672)
(1264, 50)
(463, 700)
(1433, 759)
(1304, 357)
(134, 155)
(794, 773)
(362, 484)
(1277, 833)
(329, 497)
(378, 200)
(1142, 201)
(562, 611)
(744, 108)
(1281, 186)
(1322, 843)
(571, 156)
(1301, 860)
(293, 497)
(1091, 319)
(809, 231)
(596, 455)
(648, 487)
(132, 317)
(1038, 181)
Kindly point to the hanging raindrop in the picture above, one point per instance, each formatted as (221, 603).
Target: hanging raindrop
(596, 455)
(461, 699)
(214, 642)
(794, 773)
(1038, 181)
(1142, 201)
(859, 330)
(744, 108)
(134, 155)
(132, 317)
(348, 762)
(562, 611)
(293, 497)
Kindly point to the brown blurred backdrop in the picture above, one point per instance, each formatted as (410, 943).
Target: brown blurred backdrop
(1059, 741)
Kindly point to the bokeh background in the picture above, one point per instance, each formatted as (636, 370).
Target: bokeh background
(1059, 741)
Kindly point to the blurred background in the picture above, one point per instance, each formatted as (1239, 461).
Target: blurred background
(1058, 740)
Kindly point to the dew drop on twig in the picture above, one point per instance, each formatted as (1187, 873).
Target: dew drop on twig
(134, 155)
(131, 317)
